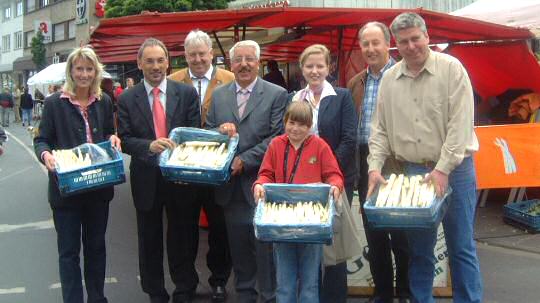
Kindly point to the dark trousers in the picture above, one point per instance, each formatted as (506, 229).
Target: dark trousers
(334, 284)
(182, 239)
(381, 244)
(218, 258)
(86, 219)
(254, 271)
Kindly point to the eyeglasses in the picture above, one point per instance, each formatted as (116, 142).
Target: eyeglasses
(240, 59)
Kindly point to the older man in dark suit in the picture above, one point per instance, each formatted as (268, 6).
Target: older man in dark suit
(254, 108)
(147, 112)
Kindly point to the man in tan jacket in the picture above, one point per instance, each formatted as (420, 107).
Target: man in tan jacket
(375, 42)
(205, 78)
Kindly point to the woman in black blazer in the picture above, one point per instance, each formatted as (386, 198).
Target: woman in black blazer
(336, 122)
(77, 115)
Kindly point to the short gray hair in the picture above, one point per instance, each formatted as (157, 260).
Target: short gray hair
(406, 21)
(380, 25)
(245, 43)
(197, 37)
(150, 42)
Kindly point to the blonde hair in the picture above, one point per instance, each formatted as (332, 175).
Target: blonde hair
(299, 111)
(315, 49)
(83, 53)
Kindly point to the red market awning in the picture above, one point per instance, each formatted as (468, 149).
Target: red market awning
(497, 67)
(117, 39)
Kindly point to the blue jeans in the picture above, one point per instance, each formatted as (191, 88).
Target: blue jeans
(297, 271)
(458, 226)
(26, 115)
(89, 220)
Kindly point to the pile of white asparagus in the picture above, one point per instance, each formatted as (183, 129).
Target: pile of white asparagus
(199, 154)
(405, 191)
(68, 159)
(294, 213)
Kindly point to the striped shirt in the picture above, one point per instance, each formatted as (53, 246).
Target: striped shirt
(370, 100)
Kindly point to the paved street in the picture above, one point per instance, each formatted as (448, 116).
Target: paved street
(28, 257)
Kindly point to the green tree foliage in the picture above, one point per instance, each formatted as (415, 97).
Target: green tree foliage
(38, 51)
(119, 8)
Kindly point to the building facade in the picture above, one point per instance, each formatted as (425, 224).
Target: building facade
(11, 34)
(65, 25)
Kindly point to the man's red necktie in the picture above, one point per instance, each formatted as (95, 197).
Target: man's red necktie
(160, 121)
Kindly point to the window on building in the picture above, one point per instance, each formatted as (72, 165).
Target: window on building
(28, 38)
(19, 9)
(43, 3)
(30, 5)
(71, 29)
(6, 43)
(18, 38)
(59, 31)
(7, 13)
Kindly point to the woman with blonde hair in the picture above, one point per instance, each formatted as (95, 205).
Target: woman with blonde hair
(79, 114)
(335, 121)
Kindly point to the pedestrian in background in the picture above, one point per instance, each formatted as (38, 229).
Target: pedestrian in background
(17, 104)
(79, 114)
(335, 121)
(274, 75)
(27, 106)
(6, 105)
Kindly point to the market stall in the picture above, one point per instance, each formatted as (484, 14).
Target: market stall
(284, 32)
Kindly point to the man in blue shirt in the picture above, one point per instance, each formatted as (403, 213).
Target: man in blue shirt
(375, 42)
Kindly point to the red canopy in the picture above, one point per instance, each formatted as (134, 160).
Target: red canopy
(117, 39)
(494, 66)
(497, 67)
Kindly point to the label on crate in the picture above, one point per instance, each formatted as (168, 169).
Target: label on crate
(92, 177)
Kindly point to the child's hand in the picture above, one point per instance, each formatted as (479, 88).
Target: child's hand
(258, 192)
(334, 190)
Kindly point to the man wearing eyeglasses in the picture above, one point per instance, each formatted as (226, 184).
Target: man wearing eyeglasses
(253, 108)
(205, 78)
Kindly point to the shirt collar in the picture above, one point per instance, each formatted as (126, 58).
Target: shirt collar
(384, 69)
(327, 90)
(162, 87)
(429, 66)
(207, 75)
(71, 98)
(249, 87)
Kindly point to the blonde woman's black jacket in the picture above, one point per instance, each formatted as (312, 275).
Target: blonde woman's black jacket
(62, 127)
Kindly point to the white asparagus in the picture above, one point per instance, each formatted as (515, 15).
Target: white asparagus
(393, 199)
(384, 191)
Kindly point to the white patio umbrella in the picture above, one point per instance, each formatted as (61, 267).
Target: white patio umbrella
(54, 74)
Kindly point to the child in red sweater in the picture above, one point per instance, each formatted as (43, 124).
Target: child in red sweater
(298, 157)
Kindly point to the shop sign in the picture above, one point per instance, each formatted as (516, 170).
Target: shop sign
(44, 26)
(100, 8)
(82, 12)
(269, 3)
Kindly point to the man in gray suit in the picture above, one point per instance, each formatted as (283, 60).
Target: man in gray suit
(254, 109)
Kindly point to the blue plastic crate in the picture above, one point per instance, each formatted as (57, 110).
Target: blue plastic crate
(518, 212)
(203, 175)
(297, 233)
(406, 217)
(95, 176)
